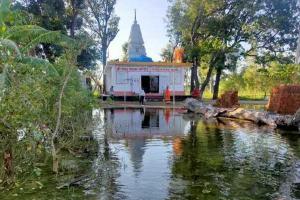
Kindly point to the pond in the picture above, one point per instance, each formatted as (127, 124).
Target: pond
(169, 154)
(161, 154)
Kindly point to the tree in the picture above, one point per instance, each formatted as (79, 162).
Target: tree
(125, 51)
(222, 28)
(88, 57)
(74, 15)
(37, 95)
(50, 15)
(65, 16)
(103, 24)
(167, 53)
(257, 80)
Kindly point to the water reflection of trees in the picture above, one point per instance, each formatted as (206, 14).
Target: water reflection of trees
(227, 160)
(106, 164)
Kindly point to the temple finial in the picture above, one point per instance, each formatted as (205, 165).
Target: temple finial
(135, 16)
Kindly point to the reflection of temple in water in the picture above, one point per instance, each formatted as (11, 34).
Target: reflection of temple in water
(136, 150)
(135, 126)
(145, 123)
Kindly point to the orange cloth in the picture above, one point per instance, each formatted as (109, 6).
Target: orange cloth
(167, 95)
(177, 146)
(167, 115)
(178, 55)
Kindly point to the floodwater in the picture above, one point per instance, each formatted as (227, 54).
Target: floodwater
(145, 154)
(169, 154)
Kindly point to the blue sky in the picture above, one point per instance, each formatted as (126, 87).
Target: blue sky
(151, 16)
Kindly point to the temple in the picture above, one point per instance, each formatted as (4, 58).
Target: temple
(140, 72)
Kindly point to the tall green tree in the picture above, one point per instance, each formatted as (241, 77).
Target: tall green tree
(101, 20)
(50, 15)
(223, 29)
(74, 15)
(65, 16)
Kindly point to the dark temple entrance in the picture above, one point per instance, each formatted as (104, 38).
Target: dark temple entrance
(150, 84)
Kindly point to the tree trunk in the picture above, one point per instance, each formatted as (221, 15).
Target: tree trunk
(194, 75)
(206, 81)
(55, 162)
(197, 83)
(72, 29)
(192, 79)
(265, 95)
(217, 83)
(104, 60)
(8, 166)
(58, 122)
(73, 18)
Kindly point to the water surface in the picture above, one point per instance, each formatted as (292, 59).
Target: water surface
(168, 154)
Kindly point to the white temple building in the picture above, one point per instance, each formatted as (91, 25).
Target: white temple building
(140, 72)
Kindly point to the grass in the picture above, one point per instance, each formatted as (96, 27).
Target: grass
(243, 95)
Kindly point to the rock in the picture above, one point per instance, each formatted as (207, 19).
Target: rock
(296, 119)
(285, 99)
(257, 117)
(229, 99)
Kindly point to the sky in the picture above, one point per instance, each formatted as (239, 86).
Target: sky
(151, 16)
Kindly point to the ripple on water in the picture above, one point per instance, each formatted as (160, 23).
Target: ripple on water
(164, 155)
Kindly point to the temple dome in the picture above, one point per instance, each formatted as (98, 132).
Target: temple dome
(136, 49)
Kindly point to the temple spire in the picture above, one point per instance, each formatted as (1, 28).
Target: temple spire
(136, 49)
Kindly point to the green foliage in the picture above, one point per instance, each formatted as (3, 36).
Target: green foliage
(5, 14)
(219, 33)
(233, 82)
(63, 17)
(30, 36)
(257, 82)
(103, 23)
(125, 51)
(167, 53)
(88, 57)
(30, 95)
